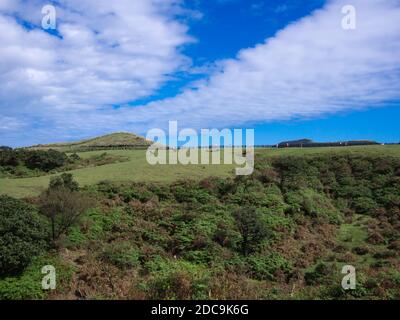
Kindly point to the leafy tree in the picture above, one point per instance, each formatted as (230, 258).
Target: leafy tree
(22, 235)
(251, 227)
(9, 157)
(364, 205)
(74, 157)
(66, 181)
(45, 160)
(63, 207)
(63, 204)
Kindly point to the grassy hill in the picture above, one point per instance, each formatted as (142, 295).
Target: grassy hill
(110, 141)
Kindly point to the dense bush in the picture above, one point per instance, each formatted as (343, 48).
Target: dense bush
(251, 227)
(122, 254)
(177, 280)
(45, 160)
(28, 285)
(265, 267)
(65, 181)
(33, 159)
(23, 235)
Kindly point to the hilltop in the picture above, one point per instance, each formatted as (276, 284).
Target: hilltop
(312, 144)
(120, 140)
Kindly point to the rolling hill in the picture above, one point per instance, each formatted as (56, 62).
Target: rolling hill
(121, 140)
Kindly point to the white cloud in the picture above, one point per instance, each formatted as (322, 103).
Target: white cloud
(108, 52)
(311, 67)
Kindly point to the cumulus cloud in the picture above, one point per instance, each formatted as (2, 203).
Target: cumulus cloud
(103, 53)
(309, 68)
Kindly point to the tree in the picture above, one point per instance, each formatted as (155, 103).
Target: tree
(66, 181)
(251, 227)
(45, 160)
(63, 204)
(9, 157)
(22, 235)
(74, 157)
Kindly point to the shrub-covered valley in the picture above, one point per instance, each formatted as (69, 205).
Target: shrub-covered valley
(285, 232)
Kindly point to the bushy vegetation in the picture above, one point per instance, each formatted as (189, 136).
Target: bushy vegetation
(23, 235)
(28, 285)
(62, 204)
(31, 163)
(284, 232)
(22, 162)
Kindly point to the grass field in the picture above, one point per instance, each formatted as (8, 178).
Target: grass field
(137, 169)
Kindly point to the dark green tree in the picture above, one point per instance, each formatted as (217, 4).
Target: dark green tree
(251, 227)
(66, 181)
(45, 160)
(23, 235)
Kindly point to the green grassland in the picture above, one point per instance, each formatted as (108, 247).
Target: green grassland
(135, 169)
(138, 170)
(373, 150)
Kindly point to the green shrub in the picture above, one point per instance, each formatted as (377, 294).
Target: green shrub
(45, 160)
(174, 279)
(122, 254)
(134, 192)
(190, 191)
(265, 267)
(65, 180)
(314, 204)
(108, 188)
(320, 274)
(28, 285)
(277, 222)
(364, 205)
(75, 238)
(251, 227)
(23, 235)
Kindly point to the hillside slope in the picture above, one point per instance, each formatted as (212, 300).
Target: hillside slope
(114, 140)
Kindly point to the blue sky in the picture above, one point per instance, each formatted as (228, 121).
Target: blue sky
(285, 68)
(227, 26)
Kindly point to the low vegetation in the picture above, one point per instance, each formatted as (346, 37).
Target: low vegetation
(23, 235)
(22, 163)
(283, 233)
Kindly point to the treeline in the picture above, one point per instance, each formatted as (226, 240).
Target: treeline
(32, 159)
(28, 163)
